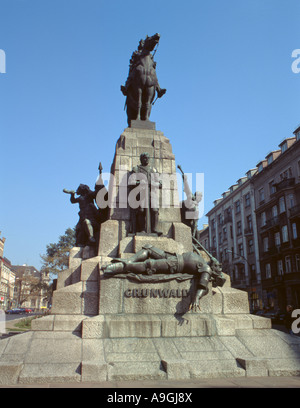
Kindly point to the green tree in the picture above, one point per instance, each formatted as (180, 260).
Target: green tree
(57, 255)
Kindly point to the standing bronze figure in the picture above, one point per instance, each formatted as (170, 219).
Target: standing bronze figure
(190, 206)
(147, 178)
(142, 84)
(90, 217)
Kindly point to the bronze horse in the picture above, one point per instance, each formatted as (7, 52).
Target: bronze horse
(142, 81)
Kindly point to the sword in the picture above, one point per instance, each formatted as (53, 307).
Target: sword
(179, 167)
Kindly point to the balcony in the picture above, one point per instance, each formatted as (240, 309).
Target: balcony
(239, 283)
(286, 183)
(271, 223)
(248, 231)
(227, 218)
(274, 250)
(295, 211)
(296, 242)
(277, 279)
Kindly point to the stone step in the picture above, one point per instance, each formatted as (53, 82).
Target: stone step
(169, 326)
(77, 299)
(136, 371)
(53, 373)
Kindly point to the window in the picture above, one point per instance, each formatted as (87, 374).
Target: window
(297, 257)
(253, 272)
(227, 215)
(224, 233)
(283, 147)
(294, 230)
(284, 231)
(279, 267)
(272, 188)
(250, 246)
(286, 174)
(274, 211)
(220, 219)
(241, 272)
(249, 222)
(268, 271)
(237, 207)
(281, 205)
(225, 253)
(291, 201)
(277, 239)
(288, 265)
(261, 195)
(266, 244)
(263, 219)
(241, 250)
(214, 241)
(220, 238)
(239, 227)
(247, 200)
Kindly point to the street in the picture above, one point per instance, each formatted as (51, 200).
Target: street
(9, 317)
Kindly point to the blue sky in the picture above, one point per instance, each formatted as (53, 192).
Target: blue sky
(231, 97)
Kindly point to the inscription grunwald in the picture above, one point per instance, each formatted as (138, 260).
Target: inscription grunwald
(156, 293)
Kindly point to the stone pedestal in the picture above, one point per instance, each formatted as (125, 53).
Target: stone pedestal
(121, 329)
(132, 143)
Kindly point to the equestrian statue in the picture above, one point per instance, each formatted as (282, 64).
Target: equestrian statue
(142, 84)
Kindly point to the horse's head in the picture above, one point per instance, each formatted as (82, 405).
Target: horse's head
(150, 42)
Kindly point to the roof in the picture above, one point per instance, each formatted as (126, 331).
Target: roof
(20, 270)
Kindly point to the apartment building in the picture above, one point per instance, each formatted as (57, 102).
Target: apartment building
(30, 287)
(254, 229)
(233, 237)
(203, 236)
(7, 279)
(277, 202)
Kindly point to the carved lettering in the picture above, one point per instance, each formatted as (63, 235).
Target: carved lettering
(127, 293)
(164, 293)
(145, 292)
(173, 293)
(156, 293)
(153, 293)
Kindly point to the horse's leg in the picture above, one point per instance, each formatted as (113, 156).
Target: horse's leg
(139, 103)
(148, 101)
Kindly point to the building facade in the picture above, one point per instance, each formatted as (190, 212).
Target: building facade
(277, 200)
(31, 287)
(233, 237)
(7, 280)
(254, 229)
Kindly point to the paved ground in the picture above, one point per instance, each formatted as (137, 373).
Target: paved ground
(240, 382)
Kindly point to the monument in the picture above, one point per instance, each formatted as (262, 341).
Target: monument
(142, 299)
